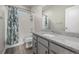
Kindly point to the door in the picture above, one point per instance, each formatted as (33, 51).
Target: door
(72, 19)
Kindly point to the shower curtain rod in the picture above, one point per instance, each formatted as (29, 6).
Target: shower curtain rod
(20, 8)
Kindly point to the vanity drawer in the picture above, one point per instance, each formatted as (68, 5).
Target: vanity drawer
(59, 50)
(34, 37)
(34, 44)
(42, 49)
(43, 41)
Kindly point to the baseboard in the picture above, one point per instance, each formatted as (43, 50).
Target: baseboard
(4, 51)
(11, 46)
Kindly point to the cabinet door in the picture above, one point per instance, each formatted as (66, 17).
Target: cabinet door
(34, 46)
(52, 52)
(34, 43)
(59, 50)
(42, 49)
(34, 37)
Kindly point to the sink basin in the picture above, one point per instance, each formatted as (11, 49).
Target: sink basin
(49, 35)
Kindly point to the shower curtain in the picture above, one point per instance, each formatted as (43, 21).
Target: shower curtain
(12, 26)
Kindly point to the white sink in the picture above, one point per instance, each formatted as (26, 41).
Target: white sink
(49, 35)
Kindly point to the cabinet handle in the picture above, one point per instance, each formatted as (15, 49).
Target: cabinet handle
(46, 52)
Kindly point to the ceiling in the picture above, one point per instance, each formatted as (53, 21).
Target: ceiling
(45, 7)
(29, 6)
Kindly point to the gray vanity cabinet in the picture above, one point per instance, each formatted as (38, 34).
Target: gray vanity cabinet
(59, 50)
(43, 41)
(35, 45)
(42, 49)
(42, 45)
(52, 52)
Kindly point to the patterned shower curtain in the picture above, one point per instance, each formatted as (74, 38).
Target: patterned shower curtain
(12, 26)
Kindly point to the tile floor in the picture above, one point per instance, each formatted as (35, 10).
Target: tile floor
(19, 50)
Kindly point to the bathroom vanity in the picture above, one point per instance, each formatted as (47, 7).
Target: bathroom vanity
(52, 43)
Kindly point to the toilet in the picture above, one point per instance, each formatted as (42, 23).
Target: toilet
(28, 42)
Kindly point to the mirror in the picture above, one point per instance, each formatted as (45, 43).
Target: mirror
(63, 18)
(45, 22)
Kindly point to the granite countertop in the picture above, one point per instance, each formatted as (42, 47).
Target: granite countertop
(66, 41)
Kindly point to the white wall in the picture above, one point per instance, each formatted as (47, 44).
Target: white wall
(37, 18)
(25, 24)
(56, 15)
(2, 29)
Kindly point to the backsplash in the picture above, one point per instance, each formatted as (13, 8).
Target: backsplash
(67, 33)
